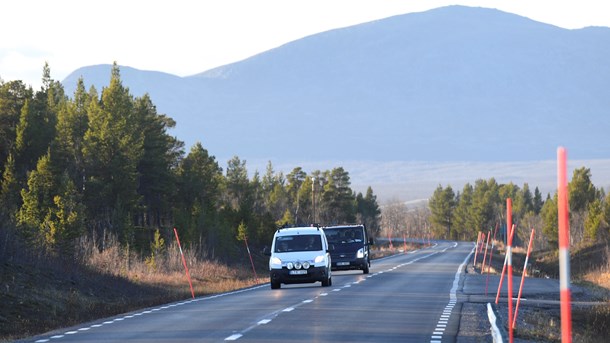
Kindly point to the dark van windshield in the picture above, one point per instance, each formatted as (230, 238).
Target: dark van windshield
(344, 235)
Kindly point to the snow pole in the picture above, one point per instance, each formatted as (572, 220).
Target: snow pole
(523, 275)
(251, 261)
(188, 275)
(485, 253)
(509, 253)
(476, 250)
(488, 266)
(564, 243)
(504, 267)
(404, 240)
(490, 257)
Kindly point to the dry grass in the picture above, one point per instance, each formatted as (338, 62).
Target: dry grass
(39, 295)
(600, 276)
(167, 271)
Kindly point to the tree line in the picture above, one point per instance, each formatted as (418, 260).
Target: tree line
(103, 163)
(482, 208)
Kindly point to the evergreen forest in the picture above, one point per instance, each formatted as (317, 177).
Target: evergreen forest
(102, 163)
(482, 208)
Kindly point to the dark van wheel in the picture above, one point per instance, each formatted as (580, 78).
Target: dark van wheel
(365, 270)
(275, 285)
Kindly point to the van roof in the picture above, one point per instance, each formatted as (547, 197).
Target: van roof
(343, 226)
(305, 230)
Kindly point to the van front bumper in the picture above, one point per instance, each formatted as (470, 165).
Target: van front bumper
(313, 274)
(339, 263)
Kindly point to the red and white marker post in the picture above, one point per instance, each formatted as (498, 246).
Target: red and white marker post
(490, 258)
(509, 253)
(564, 244)
(485, 253)
(510, 232)
(523, 275)
(251, 261)
(188, 275)
(476, 250)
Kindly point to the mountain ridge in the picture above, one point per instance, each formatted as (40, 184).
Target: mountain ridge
(450, 84)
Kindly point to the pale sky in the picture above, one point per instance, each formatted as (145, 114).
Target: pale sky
(185, 37)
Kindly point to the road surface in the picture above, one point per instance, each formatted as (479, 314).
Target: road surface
(405, 298)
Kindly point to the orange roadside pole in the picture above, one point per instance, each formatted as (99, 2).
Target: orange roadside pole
(564, 244)
(485, 253)
(188, 275)
(476, 250)
(503, 268)
(509, 253)
(523, 275)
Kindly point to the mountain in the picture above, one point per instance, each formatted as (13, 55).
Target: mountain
(450, 84)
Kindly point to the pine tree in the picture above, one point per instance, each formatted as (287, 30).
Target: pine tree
(550, 222)
(462, 222)
(338, 202)
(368, 211)
(161, 153)
(72, 124)
(13, 96)
(237, 184)
(113, 147)
(594, 219)
(199, 189)
(442, 204)
(581, 190)
(37, 200)
(10, 198)
(537, 202)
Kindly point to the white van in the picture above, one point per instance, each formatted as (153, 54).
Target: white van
(299, 255)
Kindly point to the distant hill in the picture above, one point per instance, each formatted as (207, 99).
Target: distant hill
(451, 84)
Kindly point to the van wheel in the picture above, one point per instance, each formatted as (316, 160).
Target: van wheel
(275, 285)
(327, 282)
(365, 270)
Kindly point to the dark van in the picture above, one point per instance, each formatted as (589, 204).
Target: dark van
(351, 247)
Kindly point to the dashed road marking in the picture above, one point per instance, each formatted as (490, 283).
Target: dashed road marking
(233, 337)
(443, 321)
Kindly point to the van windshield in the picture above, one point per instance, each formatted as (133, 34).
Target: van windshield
(298, 243)
(344, 235)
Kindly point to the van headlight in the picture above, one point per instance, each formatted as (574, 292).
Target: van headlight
(319, 259)
(360, 253)
(276, 262)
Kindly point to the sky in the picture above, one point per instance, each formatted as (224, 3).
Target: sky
(186, 37)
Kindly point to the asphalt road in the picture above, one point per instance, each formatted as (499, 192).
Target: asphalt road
(406, 298)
